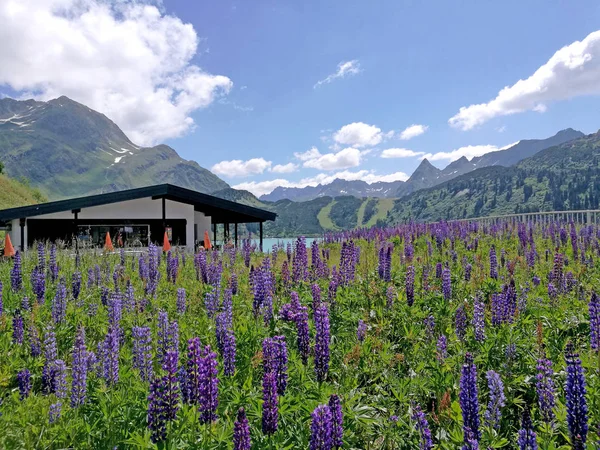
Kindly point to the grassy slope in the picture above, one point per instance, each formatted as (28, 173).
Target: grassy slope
(361, 213)
(324, 219)
(384, 205)
(14, 193)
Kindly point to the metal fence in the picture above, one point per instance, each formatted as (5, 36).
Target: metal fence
(588, 216)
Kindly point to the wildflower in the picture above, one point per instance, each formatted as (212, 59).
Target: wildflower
(24, 379)
(79, 370)
(469, 402)
(322, 342)
(423, 428)
(577, 410)
(142, 352)
(321, 428)
(446, 284)
(545, 389)
(409, 284)
(241, 432)
(497, 399)
(527, 437)
(270, 403)
(361, 331)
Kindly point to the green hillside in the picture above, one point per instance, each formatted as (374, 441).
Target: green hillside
(15, 193)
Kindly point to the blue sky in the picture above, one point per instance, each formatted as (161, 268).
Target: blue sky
(242, 80)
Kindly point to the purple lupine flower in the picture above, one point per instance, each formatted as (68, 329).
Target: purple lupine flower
(460, 322)
(438, 270)
(409, 284)
(442, 349)
(321, 341)
(60, 378)
(25, 305)
(229, 351)
(409, 251)
(316, 295)
(241, 432)
(142, 352)
(536, 281)
(50, 356)
(59, 304)
(110, 356)
(337, 416)
(194, 370)
(171, 393)
(184, 384)
(545, 389)
(321, 429)
(17, 331)
(300, 261)
(233, 283)
(35, 347)
(552, 292)
(303, 334)
(163, 336)
(446, 284)
(574, 240)
(157, 421)
(270, 403)
(181, 306)
(275, 360)
(361, 331)
(575, 391)
(79, 370)
(142, 268)
(16, 274)
(209, 392)
(497, 400)
(115, 310)
(129, 297)
(594, 312)
(53, 265)
(76, 284)
(97, 275)
(211, 302)
(389, 297)
(469, 402)
(468, 270)
(493, 263)
(423, 428)
(527, 438)
(429, 323)
(479, 320)
(38, 283)
(54, 412)
(24, 380)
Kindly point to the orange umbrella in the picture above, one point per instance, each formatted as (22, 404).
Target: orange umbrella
(166, 243)
(207, 244)
(108, 243)
(9, 250)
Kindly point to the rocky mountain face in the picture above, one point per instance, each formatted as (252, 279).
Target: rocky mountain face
(66, 149)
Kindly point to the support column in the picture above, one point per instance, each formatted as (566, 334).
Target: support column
(22, 223)
(164, 214)
(235, 232)
(215, 233)
(260, 233)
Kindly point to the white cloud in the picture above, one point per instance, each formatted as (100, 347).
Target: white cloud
(126, 59)
(343, 69)
(259, 188)
(572, 71)
(239, 168)
(413, 131)
(348, 157)
(400, 153)
(358, 134)
(309, 154)
(468, 151)
(284, 168)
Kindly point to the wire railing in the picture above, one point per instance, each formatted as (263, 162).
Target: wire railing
(587, 216)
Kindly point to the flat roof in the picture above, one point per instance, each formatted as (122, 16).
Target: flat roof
(220, 210)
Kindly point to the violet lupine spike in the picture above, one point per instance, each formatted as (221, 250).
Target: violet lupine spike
(422, 426)
(429, 323)
(59, 303)
(129, 297)
(76, 285)
(300, 261)
(577, 409)
(38, 284)
(497, 400)
(594, 313)
(172, 392)
(270, 411)
(211, 302)
(303, 334)
(24, 381)
(469, 401)
(157, 421)
(321, 428)
(275, 360)
(60, 379)
(322, 338)
(79, 370)
(361, 331)
(460, 322)
(442, 349)
(241, 431)
(468, 271)
(194, 370)
(35, 347)
(50, 356)
(493, 263)
(446, 284)
(181, 301)
(479, 320)
(527, 438)
(209, 392)
(17, 329)
(409, 285)
(54, 412)
(110, 356)
(53, 265)
(390, 295)
(333, 286)
(142, 352)
(16, 274)
(337, 416)
(229, 352)
(163, 336)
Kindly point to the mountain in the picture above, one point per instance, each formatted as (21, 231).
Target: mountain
(15, 193)
(338, 187)
(524, 149)
(426, 175)
(562, 177)
(66, 149)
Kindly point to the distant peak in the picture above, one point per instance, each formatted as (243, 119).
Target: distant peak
(425, 163)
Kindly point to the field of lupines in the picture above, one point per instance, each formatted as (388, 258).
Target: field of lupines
(441, 336)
